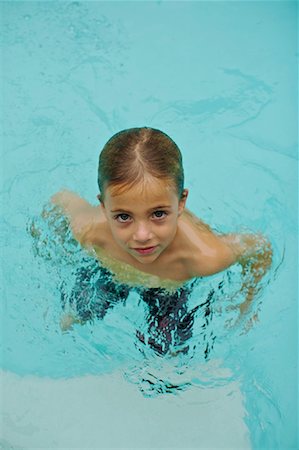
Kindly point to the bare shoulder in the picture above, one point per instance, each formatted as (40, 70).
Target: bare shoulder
(214, 254)
(189, 216)
(209, 253)
(70, 202)
(83, 217)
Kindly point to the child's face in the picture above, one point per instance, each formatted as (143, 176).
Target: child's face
(143, 219)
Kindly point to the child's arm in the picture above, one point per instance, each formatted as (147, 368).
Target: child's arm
(70, 203)
(254, 253)
(77, 210)
(54, 224)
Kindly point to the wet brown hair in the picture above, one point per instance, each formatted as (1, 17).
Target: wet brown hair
(131, 154)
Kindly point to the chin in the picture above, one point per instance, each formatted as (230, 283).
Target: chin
(146, 259)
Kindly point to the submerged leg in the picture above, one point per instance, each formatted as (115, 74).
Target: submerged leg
(170, 324)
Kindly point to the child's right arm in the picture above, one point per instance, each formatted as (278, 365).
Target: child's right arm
(78, 211)
(70, 203)
(65, 219)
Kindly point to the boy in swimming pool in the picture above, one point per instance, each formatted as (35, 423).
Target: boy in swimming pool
(141, 228)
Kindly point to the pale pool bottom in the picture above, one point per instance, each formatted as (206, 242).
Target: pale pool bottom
(104, 412)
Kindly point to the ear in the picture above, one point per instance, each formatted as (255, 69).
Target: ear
(100, 198)
(182, 201)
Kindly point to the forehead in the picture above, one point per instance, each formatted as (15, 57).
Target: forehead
(148, 191)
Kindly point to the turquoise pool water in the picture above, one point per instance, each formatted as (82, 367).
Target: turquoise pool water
(221, 79)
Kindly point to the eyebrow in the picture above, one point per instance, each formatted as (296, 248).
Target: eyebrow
(151, 209)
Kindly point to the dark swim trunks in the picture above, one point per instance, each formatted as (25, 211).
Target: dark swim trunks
(94, 292)
(169, 321)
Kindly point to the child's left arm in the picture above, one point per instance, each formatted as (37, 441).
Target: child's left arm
(254, 253)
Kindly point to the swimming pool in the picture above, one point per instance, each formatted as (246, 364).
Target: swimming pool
(220, 78)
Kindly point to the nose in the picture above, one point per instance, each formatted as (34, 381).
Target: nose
(142, 233)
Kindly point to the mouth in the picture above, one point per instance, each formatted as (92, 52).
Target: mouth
(146, 250)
